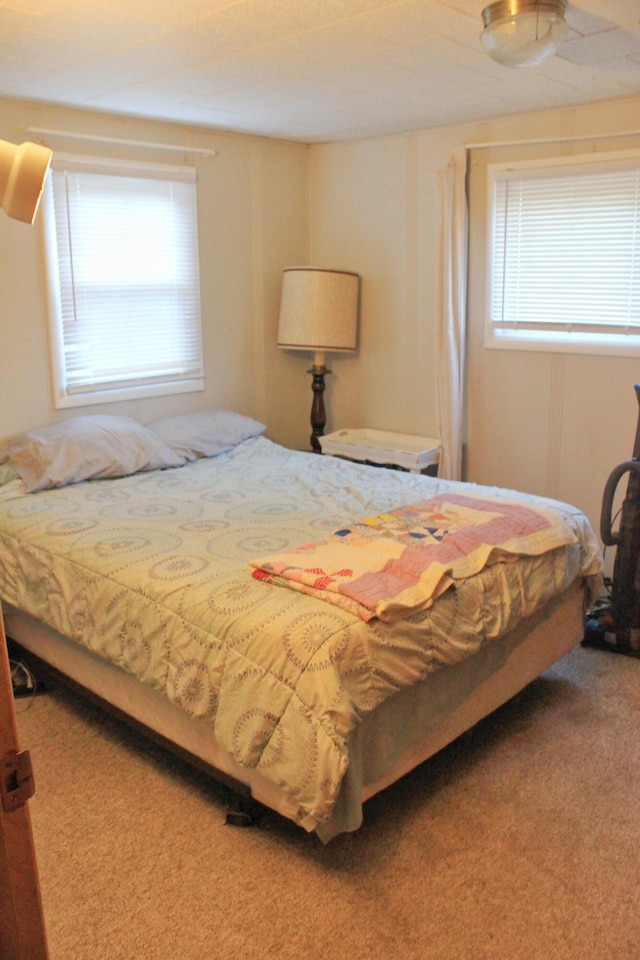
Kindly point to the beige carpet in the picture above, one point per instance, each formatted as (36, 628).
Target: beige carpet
(519, 842)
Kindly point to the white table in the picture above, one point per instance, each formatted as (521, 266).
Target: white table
(398, 450)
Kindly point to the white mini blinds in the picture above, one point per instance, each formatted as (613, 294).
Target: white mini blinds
(564, 264)
(122, 253)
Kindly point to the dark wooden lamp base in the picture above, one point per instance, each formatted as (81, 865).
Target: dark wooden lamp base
(318, 414)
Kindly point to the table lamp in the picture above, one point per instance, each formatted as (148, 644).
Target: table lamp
(319, 312)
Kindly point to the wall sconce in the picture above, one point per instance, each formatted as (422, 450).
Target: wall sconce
(523, 33)
(23, 170)
(319, 312)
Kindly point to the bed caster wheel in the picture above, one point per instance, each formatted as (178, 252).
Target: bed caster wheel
(242, 812)
(239, 818)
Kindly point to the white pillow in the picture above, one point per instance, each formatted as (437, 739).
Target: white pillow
(207, 433)
(85, 448)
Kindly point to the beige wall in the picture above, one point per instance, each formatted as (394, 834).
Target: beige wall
(554, 424)
(371, 205)
(252, 212)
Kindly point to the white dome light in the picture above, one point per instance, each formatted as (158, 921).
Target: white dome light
(523, 33)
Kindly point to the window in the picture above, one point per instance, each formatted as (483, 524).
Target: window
(122, 263)
(564, 262)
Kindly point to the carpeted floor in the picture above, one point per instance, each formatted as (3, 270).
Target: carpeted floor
(519, 842)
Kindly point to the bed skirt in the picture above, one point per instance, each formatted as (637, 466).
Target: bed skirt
(401, 733)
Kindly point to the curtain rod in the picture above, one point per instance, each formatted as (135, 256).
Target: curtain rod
(565, 139)
(43, 131)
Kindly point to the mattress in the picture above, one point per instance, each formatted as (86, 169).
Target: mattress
(151, 573)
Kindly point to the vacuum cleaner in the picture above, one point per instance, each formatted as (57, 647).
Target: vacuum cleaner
(614, 624)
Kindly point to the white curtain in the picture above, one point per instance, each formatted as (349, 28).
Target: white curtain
(451, 321)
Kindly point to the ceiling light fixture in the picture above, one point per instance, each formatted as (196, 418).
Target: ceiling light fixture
(523, 33)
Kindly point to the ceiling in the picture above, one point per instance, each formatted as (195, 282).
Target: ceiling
(306, 70)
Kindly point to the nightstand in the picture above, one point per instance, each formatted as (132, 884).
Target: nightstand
(400, 451)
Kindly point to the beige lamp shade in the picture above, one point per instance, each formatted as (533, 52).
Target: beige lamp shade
(319, 310)
(23, 170)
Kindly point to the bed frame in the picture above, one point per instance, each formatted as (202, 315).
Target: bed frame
(424, 719)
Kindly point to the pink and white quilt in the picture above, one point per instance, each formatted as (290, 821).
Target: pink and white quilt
(395, 564)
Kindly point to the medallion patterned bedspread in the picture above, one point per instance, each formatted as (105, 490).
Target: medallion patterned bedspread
(152, 572)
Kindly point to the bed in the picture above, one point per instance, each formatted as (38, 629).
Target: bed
(160, 568)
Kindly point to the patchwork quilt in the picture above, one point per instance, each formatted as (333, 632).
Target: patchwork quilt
(394, 564)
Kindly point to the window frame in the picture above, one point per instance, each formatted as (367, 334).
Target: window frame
(598, 340)
(130, 387)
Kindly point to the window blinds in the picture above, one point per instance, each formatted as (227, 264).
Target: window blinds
(127, 275)
(566, 251)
